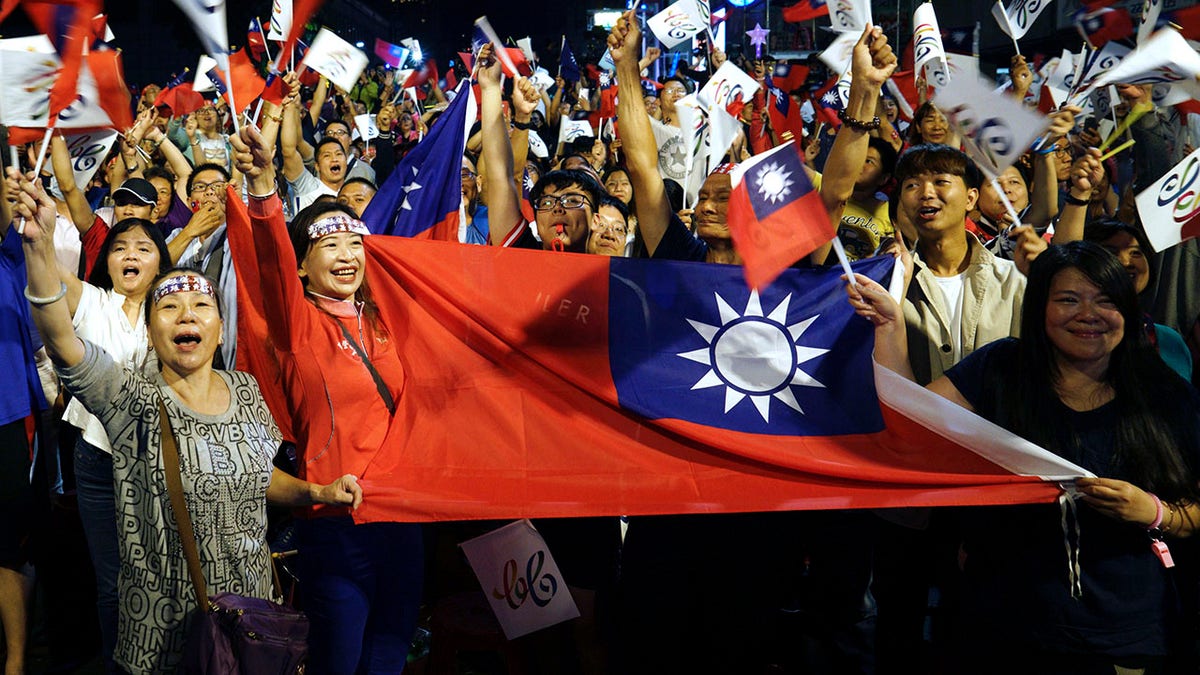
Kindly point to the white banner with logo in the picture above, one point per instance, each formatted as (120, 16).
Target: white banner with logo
(520, 579)
(850, 16)
(928, 52)
(678, 22)
(336, 59)
(996, 128)
(1170, 209)
(88, 150)
(1166, 58)
(1016, 19)
(28, 69)
(281, 20)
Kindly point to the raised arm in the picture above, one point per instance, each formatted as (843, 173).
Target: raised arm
(504, 207)
(1086, 173)
(289, 139)
(270, 277)
(637, 137)
(872, 302)
(77, 204)
(872, 64)
(525, 99)
(45, 288)
(318, 100)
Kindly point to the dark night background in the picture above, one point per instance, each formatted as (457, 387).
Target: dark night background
(157, 39)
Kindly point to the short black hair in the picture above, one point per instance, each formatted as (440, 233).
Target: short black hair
(937, 158)
(358, 180)
(563, 178)
(206, 166)
(156, 171)
(887, 153)
(611, 201)
(327, 140)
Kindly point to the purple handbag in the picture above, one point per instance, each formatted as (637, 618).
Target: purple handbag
(230, 634)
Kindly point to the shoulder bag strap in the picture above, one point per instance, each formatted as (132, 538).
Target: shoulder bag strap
(380, 385)
(183, 520)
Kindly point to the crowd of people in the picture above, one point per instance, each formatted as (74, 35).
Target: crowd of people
(1031, 298)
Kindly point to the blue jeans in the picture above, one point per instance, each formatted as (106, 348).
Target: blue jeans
(98, 512)
(362, 588)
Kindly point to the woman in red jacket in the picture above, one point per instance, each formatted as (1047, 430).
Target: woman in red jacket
(341, 378)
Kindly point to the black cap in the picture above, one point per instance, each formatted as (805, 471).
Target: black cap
(138, 189)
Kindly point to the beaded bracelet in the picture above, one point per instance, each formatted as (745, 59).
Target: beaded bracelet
(41, 302)
(858, 124)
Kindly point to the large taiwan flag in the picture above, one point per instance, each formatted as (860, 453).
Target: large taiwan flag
(543, 384)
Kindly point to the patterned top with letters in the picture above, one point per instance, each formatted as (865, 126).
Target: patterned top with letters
(225, 463)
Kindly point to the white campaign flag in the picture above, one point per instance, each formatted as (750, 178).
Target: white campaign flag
(1166, 58)
(840, 52)
(28, 69)
(996, 128)
(726, 86)
(1150, 12)
(1170, 209)
(203, 82)
(1091, 66)
(1016, 19)
(365, 125)
(569, 129)
(520, 579)
(1058, 74)
(537, 146)
(850, 16)
(694, 130)
(281, 20)
(88, 150)
(678, 23)
(928, 51)
(208, 18)
(526, 45)
(336, 59)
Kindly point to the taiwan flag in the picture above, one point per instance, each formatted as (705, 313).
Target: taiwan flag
(393, 55)
(805, 10)
(775, 215)
(422, 196)
(558, 384)
(543, 384)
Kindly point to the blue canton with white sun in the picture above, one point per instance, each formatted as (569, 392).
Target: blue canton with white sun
(689, 341)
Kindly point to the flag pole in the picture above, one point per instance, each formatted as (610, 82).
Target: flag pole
(266, 42)
(37, 168)
(560, 52)
(845, 262)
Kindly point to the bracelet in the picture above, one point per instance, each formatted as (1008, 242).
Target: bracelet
(1075, 201)
(266, 196)
(1158, 512)
(858, 124)
(278, 119)
(41, 302)
(524, 126)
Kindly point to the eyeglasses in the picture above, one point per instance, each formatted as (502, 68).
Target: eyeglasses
(467, 175)
(568, 201)
(215, 186)
(337, 132)
(600, 224)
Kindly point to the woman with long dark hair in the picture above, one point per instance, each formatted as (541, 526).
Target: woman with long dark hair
(341, 378)
(1068, 589)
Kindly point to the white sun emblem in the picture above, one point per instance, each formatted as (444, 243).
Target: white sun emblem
(755, 356)
(773, 182)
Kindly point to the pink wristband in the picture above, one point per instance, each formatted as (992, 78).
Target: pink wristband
(1158, 512)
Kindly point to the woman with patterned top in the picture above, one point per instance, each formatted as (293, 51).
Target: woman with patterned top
(227, 440)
